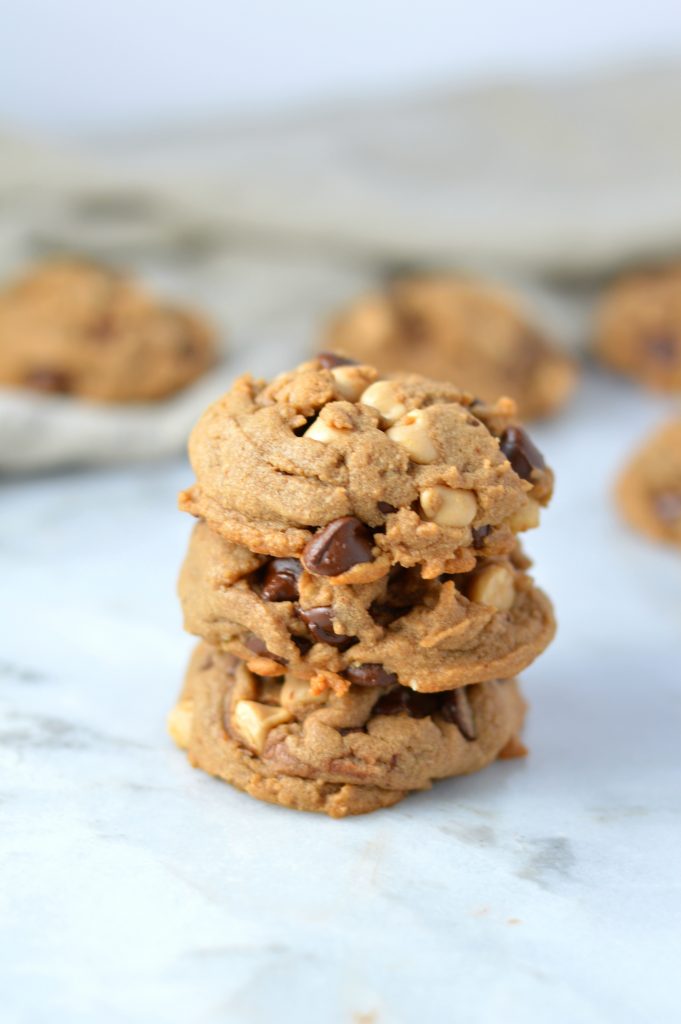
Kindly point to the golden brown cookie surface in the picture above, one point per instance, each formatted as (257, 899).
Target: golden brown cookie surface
(354, 474)
(338, 754)
(639, 328)
(79, 329)
(449, 328)
(428, 635)
(649, 488)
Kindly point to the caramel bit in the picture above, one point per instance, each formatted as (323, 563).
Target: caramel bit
(262, 666)
(324, 680)
(514, 748)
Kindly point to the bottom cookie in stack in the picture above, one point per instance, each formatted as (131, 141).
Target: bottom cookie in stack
(337, 754)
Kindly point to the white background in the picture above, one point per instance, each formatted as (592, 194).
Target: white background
(68, 65)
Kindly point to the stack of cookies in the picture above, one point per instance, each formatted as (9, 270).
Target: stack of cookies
(357, 583)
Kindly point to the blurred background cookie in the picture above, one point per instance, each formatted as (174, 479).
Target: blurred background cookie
(639, 327)
(649, 489)
(451, 328)
(77, 328)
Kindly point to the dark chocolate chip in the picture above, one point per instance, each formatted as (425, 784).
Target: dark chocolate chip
(370, 674)
(258, 646)
(320, 623)
(520, 452)
(280, 582)
(384, 614)
(663, 348)
(337, 547)
(302, 643)
(456, 709)
(51, 381)
(386, 508)
(461, 580)
(453, 706)
(299, 431)
(668, 506)
(403, 700)
(479, 534)
(330, 359)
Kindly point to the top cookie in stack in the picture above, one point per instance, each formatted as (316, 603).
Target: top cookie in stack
(357, 530)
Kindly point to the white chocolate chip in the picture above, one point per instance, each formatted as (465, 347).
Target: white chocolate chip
(254, 721)
(295, 692)
(410, 432)
(321, 431)
(382, 396)
(180, 723)
(526, 518)
(494, 586)
(349, 381)
(447, 506)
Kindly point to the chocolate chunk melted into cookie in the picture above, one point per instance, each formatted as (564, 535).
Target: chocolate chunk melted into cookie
(403, 700)
(453, 706)
(51, 381)
(302, 643)
(456, 709)
(259, 647)
(370, 674)
(479, 534)
(320, 623)
(524, 457)
(406, 589)
(280, 581)
(337, 547)
(668, 506)
(386, 508)
(330, 359)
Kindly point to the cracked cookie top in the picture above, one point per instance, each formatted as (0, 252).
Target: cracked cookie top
(353, 473)
(451, 328)
(75, 328)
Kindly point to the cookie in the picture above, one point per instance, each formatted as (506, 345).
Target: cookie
(75, 328)
(353, 474)
(342, 755)
(427, 634)
(649, 490)
(450, 328)
(639, 328)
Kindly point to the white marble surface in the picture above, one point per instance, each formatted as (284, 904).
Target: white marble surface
(133, 888)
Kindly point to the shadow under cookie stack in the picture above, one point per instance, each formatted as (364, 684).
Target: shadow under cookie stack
(356, 580)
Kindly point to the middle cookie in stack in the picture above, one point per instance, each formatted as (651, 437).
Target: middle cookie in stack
(358, 539)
